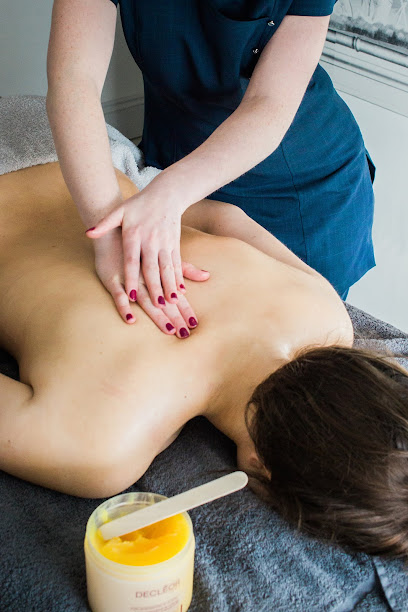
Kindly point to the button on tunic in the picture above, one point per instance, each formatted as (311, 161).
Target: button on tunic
(314, 192)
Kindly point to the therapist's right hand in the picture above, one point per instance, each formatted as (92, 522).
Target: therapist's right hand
(171, 319)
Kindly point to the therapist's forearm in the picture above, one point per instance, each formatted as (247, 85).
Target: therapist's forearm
(249, 135)
(82, 144)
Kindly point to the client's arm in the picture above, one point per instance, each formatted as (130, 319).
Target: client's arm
(223, 219)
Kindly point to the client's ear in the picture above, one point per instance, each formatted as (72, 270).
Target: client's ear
(248, 460)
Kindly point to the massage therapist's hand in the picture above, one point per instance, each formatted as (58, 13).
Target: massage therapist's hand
(151, 227)
(172, 318)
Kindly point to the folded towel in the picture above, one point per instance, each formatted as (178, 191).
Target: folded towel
(247, 558)
(26, 140)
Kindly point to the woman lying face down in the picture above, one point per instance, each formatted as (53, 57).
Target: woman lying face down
(321, 425)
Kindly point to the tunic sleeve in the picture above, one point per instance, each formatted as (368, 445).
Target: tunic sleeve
(115, 2)
(311, 7)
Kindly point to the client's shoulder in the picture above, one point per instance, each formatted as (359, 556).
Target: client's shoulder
(302, 306)
(322, 317)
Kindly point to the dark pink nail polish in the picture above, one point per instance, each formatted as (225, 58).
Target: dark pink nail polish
(129, 316)
(169, 326)
(182, 287)
(173, 295)
(161, 300)
(183, 332)
(133, 294)
(90, 229)
(192, 321)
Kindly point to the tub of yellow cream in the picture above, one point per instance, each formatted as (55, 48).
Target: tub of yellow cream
(148, 570)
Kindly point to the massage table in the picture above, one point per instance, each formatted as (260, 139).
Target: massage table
(248, 559)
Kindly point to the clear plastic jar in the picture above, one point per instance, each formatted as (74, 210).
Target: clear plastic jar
(115, 587)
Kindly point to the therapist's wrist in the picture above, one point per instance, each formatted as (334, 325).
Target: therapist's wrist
(169, 190)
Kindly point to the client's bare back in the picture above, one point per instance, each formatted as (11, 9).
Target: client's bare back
(96, 394)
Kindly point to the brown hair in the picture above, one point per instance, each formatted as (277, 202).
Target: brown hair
(331, 426)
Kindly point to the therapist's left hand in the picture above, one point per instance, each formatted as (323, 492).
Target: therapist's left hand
(151, 228)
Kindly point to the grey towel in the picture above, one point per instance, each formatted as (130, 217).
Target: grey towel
(247, 558)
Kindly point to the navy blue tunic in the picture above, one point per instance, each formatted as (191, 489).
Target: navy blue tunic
(314, 192)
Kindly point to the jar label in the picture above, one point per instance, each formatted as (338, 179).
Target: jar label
(170, 592)
(158, 596)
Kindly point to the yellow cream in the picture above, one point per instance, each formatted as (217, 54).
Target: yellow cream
(152, 544)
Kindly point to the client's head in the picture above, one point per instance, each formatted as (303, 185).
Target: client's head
(331, 426)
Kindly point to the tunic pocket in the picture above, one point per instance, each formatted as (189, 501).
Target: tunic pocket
(243, 15)
(238, 35)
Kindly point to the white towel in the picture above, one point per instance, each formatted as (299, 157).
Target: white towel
(26, 140)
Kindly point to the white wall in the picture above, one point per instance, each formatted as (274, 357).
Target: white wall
(383, 292)
(24, 32)
(24, 35)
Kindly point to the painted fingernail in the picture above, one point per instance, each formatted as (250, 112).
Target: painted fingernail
(182, 287)
(90, 229)
(183, 332)
(192, 321)
(129, 316)
(161, 300)
(169, 326)
(204, 270)
(174, 295)
(133, 294)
